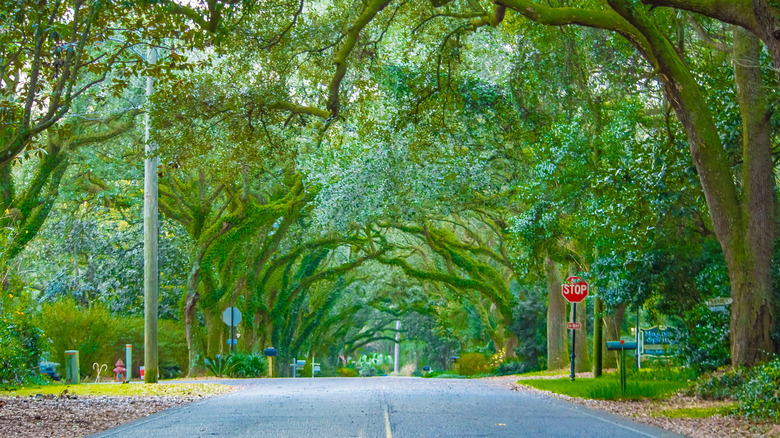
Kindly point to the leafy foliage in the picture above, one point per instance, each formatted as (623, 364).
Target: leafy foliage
(69, 326)
(246, 365)
(21, 344)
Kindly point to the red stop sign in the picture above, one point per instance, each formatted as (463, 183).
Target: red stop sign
(575, 289)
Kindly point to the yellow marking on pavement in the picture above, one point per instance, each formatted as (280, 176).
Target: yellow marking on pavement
(388, 430)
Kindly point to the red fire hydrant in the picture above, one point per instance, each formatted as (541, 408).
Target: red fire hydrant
(120, 371)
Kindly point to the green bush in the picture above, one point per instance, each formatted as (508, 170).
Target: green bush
(758, 396)
(69, 326)
(721, 386)
(246, 365)
(100, 337)
(19, 349)
(514, 367)
(217, 365)
(347, 372)
(375, 364)
(470, 364)
(756, 389)
(173, 359)
(242, 365)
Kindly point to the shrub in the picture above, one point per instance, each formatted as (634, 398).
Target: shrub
(514, 367)
(246, 365)
(758, 397)
(19, 349)
(721, 386)
(68, 326)
(374, 364)
(101, 337)
(470, 364)
(347, 372)
(217, 365)
(171, 345)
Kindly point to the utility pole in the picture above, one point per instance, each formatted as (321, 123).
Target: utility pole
(151, 232)
(397, 345)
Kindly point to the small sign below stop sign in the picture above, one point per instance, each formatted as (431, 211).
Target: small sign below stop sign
(575, 289)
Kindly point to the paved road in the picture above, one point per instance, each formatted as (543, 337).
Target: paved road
(381, 407)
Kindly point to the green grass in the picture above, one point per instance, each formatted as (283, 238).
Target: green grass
(546, 373)
(607, 387)
(129, 390)
(444, 375)
(703, 412)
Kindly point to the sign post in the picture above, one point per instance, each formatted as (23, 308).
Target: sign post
(575, 289)
(232, 317)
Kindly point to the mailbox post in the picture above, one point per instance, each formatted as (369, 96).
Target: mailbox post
(297, 364)
(622, 346)
(270, 353)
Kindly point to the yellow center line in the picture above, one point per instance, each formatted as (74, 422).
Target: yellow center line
(388, 430)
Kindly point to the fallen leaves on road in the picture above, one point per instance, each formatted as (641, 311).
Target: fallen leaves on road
(72, 415)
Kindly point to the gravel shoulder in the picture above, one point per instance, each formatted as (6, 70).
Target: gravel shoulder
(72, 415)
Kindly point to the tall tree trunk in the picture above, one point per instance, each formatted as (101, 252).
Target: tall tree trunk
(581, 354)
(614, 324)
(190, 304)
(743, 223)
(557, 345)
(750, 257)
(598, 336)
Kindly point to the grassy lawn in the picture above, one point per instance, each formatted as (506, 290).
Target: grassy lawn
(607, 387)
(133, 389)
(547, 373)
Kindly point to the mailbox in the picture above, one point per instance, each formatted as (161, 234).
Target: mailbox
(454, 359)
(426, 369)
(270, 352)
(620, 345)
(300, 363)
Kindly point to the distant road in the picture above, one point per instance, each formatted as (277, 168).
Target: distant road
(381, 407)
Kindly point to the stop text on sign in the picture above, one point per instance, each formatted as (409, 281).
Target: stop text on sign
(575, 289)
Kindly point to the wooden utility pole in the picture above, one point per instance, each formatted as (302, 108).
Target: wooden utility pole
(397, 356)
(151, 232)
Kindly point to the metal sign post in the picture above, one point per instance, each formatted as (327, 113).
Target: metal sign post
(573, 338)
(575, 289)
(232, 317)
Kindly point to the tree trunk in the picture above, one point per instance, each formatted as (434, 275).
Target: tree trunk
(598, 336)
(750, 256)
(614, 324)
(581, 355)
(215, 340)
(557, 344)
(189, 318)
(743, 223)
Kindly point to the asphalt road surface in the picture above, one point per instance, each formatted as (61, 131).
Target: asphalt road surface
(381, 407)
